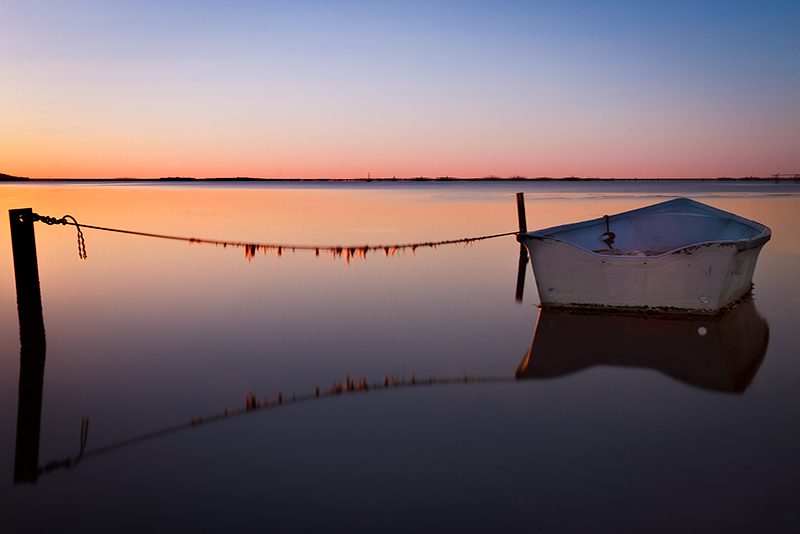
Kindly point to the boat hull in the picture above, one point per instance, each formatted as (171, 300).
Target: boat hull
(698, 278)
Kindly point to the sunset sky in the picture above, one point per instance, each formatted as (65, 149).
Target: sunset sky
(342, 89)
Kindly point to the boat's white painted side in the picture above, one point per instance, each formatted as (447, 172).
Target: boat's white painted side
(701, 276)
(704, 279)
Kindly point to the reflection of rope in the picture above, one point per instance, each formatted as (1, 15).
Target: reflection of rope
(252, 404)
(250, 249)
(69, 463)
(63, 220)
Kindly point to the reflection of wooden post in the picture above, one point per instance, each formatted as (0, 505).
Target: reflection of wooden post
(523, 264)
(523, 252)
(32, 345)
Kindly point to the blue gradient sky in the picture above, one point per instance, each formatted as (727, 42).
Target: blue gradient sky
(312, 89)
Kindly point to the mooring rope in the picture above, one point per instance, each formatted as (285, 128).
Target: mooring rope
(250, 249)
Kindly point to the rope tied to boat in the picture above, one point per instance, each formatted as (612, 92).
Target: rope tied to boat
(609, 236)
(250, 249)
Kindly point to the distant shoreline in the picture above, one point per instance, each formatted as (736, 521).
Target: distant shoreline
(773, 178)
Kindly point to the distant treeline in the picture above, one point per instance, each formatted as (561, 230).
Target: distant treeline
(9, 178)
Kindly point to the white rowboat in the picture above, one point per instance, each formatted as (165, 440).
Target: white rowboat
(677, 256)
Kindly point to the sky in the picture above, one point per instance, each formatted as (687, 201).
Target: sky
(99, 89)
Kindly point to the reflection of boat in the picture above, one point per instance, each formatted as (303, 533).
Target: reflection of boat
(678, 255)
(720, 353)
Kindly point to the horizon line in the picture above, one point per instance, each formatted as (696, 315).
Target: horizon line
(491, 178)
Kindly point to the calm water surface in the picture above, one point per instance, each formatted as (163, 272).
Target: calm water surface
(599, 424)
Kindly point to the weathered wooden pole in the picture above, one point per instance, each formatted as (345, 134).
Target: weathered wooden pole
(523, 251)
(32, 345)
(523, 224)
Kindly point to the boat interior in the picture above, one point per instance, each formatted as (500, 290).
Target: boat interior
(656, 230)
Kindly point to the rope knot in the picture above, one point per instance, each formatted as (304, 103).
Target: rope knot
(63, 220)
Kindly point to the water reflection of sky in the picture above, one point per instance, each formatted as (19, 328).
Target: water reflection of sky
(147, 334)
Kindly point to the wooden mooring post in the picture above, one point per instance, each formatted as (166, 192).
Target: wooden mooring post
(523, 251)
(523, 224)
(32, 345)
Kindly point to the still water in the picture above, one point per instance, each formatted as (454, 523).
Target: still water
(503, 417)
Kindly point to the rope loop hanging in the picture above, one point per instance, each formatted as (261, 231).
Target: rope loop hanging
(63, 220)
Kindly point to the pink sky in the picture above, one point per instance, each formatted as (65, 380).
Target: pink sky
(629, 89)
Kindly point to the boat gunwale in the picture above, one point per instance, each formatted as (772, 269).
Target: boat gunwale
(710, 211)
